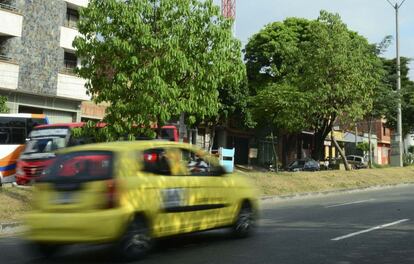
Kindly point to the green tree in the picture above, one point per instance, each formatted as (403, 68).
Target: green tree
(3, 106)
(383, 101)
(383, 97)
(272, 54)
(406, 95)
(330, 70)
(233, 106)
(363, 146)
(153, 60)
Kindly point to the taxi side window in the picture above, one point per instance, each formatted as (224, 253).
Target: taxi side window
(156, 161)
(198, 166)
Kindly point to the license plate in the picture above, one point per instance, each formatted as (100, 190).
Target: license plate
(64, 198)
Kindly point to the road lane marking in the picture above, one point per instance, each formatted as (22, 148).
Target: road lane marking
(356, 202)
(369, 230)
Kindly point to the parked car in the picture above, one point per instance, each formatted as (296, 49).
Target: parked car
(130, 193)
(304, 165)
(357, 162)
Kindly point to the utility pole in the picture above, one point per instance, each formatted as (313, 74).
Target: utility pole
(397, 6)
(356, 137)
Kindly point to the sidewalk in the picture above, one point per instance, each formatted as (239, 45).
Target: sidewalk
(10, 228)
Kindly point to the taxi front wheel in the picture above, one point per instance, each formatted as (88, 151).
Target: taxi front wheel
(136, 241)
(243, 226)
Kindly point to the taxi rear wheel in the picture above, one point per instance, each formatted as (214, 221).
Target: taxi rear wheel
(243, 226)
(43, 250)
(136, 241)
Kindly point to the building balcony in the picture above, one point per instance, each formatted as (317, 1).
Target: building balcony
(11, 21)
(71, 86)
(67, 36)
(9, 73)
(77, 3)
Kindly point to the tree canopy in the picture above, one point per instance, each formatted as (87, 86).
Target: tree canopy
(153, 60)
(406, 95)
(312, 72)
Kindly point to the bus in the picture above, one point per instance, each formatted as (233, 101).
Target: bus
(44, 140)
(14, 131)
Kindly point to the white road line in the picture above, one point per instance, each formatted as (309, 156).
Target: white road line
(369, 230)
(356, 202)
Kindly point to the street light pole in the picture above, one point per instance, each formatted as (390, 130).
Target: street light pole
(399, 114)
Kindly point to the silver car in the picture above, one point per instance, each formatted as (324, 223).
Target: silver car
(357, 162)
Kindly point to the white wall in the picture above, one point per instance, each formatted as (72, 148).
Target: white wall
(408, 141)
(82, 3)
(11, 23)
(9, 75)
(73, 87)
(67, 35)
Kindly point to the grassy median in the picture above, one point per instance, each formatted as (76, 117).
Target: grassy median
(14, 201)
(286, 183)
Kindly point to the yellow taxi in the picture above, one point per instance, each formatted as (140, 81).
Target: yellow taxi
(131, 193)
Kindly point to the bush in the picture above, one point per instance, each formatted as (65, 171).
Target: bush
(408, 159)
(363, 146)
(380, 166)
(3, 106)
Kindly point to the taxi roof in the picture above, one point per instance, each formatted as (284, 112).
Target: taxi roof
(126, 145)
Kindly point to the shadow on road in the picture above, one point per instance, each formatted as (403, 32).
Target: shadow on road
(91, 254)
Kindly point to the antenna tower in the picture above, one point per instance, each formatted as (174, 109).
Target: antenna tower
(228, 8)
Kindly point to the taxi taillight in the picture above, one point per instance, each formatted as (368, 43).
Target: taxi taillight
(111, 194)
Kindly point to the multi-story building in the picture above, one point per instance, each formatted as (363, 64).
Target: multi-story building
(37, 59)
(383, 135)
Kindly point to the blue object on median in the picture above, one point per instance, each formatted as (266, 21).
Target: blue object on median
(227, 159)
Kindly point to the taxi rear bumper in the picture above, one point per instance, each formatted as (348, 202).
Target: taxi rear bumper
(96, 226)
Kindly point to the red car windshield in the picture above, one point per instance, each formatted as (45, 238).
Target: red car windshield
(44, 145)
(81, 166)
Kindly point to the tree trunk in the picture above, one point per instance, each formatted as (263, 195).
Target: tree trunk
(182, 127)
(320, 137)
(159, 132)
(212, 136)
(319, 145)
(340, 152)
(274, 153)
(158, 129)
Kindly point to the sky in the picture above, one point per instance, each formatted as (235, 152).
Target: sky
(373, 19)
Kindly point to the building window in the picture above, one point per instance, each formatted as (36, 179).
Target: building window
(8, 5)
(70, 61)
(2, 44)
(72, 18)
(3, 52)
(384, 130)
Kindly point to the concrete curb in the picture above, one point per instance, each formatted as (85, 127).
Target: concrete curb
(271, 198)
(10, 228)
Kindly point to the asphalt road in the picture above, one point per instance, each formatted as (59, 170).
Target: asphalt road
(374, 226)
